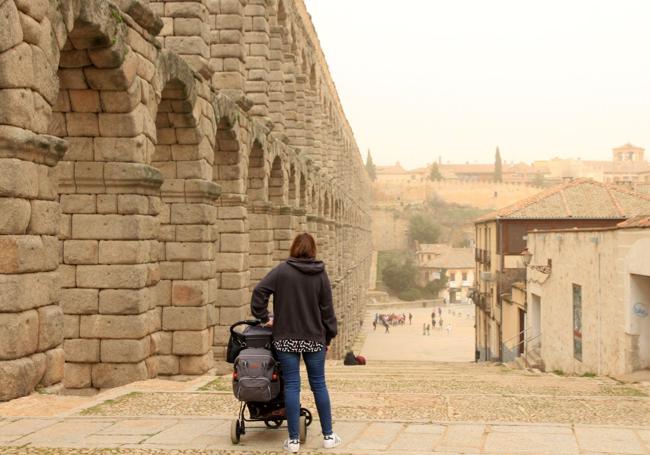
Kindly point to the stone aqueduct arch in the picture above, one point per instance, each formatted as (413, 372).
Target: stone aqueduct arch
(156, 159)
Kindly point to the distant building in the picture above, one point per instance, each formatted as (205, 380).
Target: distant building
(457, 263)
(627, 167)
(588, 293)
(501, 249)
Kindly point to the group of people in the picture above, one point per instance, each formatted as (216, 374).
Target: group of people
(386, 320)
(426, 328)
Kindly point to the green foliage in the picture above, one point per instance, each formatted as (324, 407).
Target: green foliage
(399, 276)
(435, 174)
(434, 287)
(423, 229)
(498, 167)
(370, 167)
(410, 294)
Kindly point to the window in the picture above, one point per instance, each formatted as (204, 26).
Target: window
(452, 276)
(577, 322)
(464, 276)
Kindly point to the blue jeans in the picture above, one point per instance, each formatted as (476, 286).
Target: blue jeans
(315, 362)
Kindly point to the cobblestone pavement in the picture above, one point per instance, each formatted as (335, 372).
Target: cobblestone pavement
(395, 407)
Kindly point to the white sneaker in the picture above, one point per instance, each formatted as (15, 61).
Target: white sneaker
(291, 445)
(331, 441)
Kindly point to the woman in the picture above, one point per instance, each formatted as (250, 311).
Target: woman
(303, 323)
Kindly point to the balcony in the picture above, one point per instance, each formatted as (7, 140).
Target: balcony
(482, 256)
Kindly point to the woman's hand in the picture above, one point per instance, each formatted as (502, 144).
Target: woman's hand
(268, 324)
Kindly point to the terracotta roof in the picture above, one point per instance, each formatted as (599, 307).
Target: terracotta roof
(454, 258)
(635, 222)
(433, 248)
(395, 169)
(577, 199)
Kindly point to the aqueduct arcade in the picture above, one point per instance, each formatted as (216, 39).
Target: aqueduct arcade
(156, 159)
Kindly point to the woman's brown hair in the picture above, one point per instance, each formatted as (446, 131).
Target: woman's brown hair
(303, 246)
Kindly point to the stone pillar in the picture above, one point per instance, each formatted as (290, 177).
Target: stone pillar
(232, 268)
(312, 228)
(299, 221)
(297, 139)
(227, 50)
(186, 31)
(31, 319)
(289, 105)
(282, 233)
(257, 40)
(188, 271)
(261, 241)
(276, 79)
(110, 272)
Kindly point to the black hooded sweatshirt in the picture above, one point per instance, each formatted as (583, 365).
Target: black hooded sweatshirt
(302, 301)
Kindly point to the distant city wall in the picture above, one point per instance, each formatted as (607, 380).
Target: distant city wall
(390, 229)
(483, 195)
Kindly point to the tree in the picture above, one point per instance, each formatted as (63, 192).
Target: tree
(435, 174)
(498, 167)
(399, 276)
(435, 286)
(370, 167)
(423, 229)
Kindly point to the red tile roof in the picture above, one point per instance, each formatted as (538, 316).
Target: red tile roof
(577, 199)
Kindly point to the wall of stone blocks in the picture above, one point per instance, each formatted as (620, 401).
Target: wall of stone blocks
(156, 160)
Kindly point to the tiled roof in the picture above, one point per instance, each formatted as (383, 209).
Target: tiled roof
(433, 248)
(580, 199)
(395, 169)
(454, 258)
(635, 222)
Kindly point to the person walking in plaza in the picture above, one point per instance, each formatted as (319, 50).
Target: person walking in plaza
(428, 329)
(439, 311)
(304, 324)
(433, 323)
(374, 325)
(383, 321)
(424, 329)
(410, 319)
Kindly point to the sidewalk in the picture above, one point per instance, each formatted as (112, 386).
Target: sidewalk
(191, 433)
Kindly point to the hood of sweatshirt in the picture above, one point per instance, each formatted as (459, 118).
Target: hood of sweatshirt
(307, 266)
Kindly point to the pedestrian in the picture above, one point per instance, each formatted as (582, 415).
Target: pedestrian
(374, 325)
(439, 311)
(424, 329)
(385, 325)
(410, 319)
(441, 322)
(448, 329)
(304, 324)
(433, 323)
(428, 329)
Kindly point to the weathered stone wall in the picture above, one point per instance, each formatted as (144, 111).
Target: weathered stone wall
(156, 159)
(602, 263)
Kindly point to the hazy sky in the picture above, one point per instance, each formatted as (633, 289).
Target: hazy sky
(455, 78)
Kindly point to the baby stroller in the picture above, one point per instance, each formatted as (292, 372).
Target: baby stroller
(257, 380)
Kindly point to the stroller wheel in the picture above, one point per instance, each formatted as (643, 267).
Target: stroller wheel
(274, 423)
(303, 429)
(235, 432)
(307, 413)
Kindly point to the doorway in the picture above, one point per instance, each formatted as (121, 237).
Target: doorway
(640, 317)
(535, 316)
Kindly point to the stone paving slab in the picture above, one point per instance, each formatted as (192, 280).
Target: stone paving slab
(618, 440)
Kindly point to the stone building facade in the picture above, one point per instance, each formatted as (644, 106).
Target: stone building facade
(589, 298)
(156, 159)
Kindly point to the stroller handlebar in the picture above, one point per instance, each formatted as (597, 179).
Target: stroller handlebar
(251, 322)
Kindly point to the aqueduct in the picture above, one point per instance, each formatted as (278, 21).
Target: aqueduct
(156, 158)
